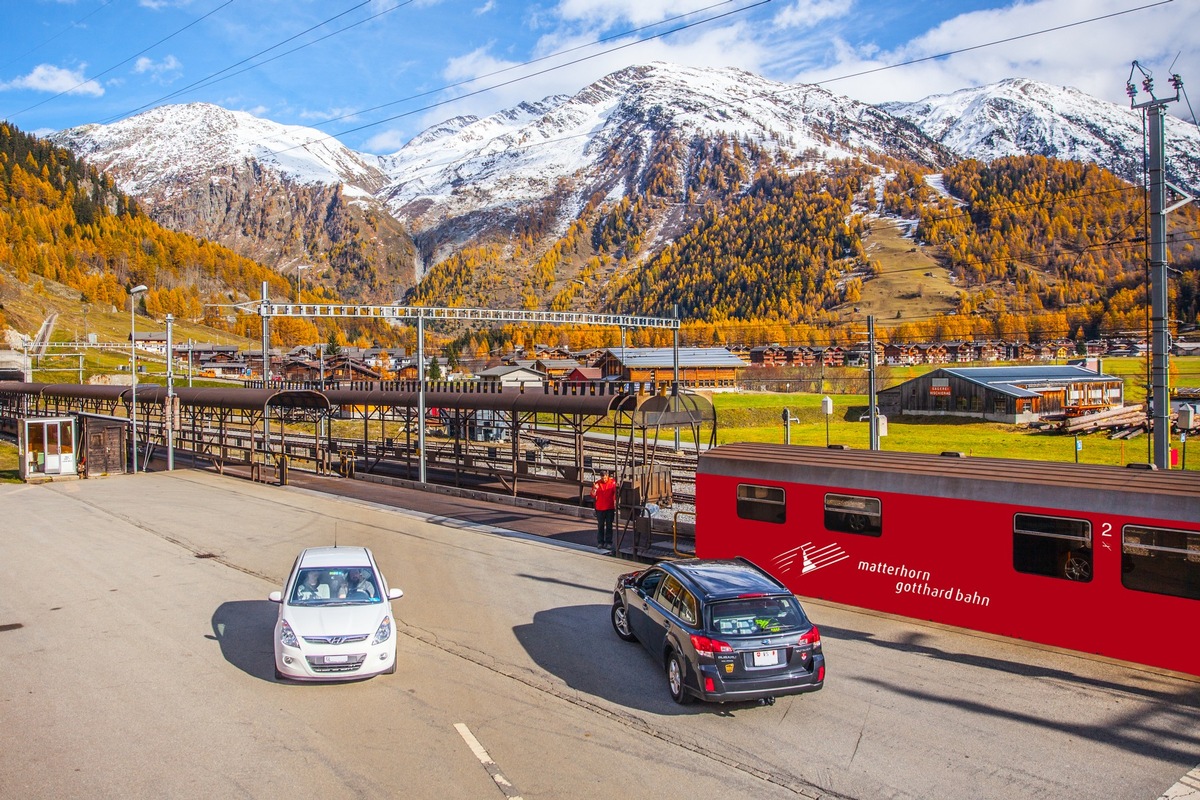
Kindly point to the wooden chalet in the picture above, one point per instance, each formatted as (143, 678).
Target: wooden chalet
(555, 369)
(709, 367)
(768, 355)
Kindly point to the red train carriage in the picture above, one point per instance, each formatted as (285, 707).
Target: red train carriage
(1096, 559)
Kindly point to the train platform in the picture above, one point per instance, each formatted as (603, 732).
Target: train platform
(560, 523)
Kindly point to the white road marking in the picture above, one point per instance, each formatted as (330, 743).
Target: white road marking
(505, 785)
(1188, 788)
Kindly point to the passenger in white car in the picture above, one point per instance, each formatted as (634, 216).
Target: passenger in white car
(311, 587)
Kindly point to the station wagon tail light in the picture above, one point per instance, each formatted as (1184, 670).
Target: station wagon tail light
(813, 637)
(707, 648)
(385, 631)
(286, 636)
(751, 594)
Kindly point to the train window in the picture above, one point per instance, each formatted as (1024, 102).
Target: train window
(1161, 560)
(761, 503)
(851, 514)
(1053, 546)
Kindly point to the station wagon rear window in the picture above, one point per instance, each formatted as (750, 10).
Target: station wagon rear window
(757, 616)
(1161, 560)
(761, 503)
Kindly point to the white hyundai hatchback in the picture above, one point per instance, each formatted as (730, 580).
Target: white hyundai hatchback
(335, 617)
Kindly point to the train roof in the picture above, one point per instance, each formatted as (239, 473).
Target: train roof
(1159, 494)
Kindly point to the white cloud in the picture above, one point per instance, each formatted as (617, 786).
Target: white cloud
(343, 113)
(808, 13)
(1094, 57)
(639, 12)
(490, 5)
(162, 71)
(48, 78)
(384, 142)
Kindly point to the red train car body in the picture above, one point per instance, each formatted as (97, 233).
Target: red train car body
(1096, 559)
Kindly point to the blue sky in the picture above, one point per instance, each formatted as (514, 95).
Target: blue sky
(384, 70)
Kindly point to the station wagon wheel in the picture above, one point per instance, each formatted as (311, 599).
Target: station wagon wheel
(620, 622)
(675, 673)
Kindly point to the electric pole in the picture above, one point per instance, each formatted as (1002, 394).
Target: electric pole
(1160, 335)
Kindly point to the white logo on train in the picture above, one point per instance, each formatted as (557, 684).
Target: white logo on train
(811, 558)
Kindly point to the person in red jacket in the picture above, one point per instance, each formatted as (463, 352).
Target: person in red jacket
(604, 491)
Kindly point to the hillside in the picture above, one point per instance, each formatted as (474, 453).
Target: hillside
(755, 208)
(72, 243)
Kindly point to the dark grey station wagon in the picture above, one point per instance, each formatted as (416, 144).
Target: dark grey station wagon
(723, 630)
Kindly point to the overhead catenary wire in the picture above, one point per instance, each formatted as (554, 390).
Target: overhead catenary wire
(220, 75)
(785, 90)
(72, 25)
(141, 52)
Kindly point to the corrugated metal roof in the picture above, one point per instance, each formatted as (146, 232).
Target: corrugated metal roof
(664, 358)
(1022, 374)
(1007, 380)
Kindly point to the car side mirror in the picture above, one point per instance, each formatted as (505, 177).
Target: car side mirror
(395, 594)
(275, 597)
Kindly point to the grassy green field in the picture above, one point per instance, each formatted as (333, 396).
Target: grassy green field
(8, 463)
(757, 417)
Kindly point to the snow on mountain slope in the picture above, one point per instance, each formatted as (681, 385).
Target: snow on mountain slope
(1018, 116)
(158, 152)
(519, 155)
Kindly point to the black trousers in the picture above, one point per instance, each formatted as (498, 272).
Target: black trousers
(604, 527)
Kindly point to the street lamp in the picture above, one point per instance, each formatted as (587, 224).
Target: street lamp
(170, 415)
(133, 295)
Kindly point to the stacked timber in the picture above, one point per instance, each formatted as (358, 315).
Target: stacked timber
(1122, 417)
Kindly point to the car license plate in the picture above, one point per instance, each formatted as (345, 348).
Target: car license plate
(766, 658)
(336, 659)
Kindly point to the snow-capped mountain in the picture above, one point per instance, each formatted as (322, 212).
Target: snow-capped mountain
(162, 151)
(288, 195)
(282, 194)
(1024, 117)
(519, 156)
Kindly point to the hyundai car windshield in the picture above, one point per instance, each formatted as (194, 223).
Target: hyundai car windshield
(747, 616)
(335, 586)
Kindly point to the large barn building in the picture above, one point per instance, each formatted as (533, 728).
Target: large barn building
(1017, 394)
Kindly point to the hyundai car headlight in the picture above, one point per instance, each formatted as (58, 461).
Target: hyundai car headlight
(385, 631)
(287, 636)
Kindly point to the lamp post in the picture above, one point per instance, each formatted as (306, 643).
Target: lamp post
(133, 296)
(170, 415)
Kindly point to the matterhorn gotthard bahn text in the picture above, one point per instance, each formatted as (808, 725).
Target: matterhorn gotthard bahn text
(283, 193)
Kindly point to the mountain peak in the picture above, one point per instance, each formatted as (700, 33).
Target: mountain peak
(178, 142)
(1018, 116)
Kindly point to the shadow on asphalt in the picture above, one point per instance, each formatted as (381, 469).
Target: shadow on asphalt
(578, 645)
(244, 629)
